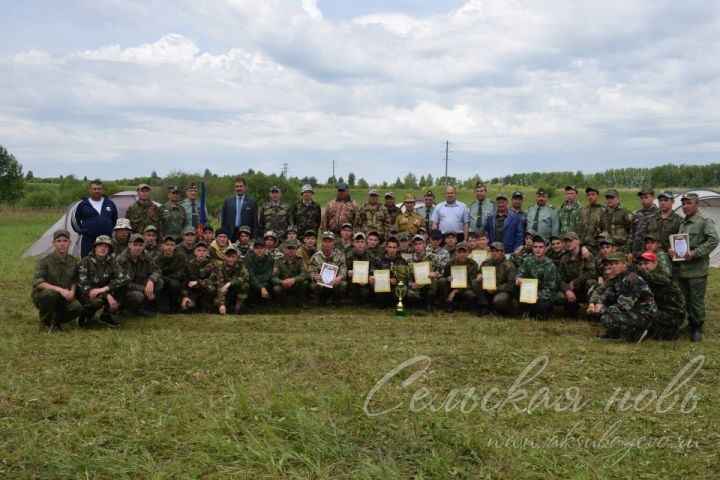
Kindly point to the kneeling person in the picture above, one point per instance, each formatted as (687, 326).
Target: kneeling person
(232, 282)
(668, 297)
(289, 276)
(455, 296)
(142, 277)
(173, 265)
(199, 290)
(498, 299)
(259, 266)
(99, 281)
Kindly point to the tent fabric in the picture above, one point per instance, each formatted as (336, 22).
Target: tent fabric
(44, 244)
(710, 208)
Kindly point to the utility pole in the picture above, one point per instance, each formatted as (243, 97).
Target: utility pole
(285, 171)
(447, 150)
(333, 175)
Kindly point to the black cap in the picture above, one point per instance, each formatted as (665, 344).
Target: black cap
(435, 233)
(592, 189)
(517, 194)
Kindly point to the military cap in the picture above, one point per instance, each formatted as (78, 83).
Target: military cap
(143, 185)
(497, 246)
(435, 233)
(310, 233)
(245, 229)
(651, 236)
(150, 228)
(189, 230)
(646, 191)
(450, 232)
(173, 189)
(689, 196)
(541, 191)
(418, 237)
(603, 234)
(395, 228)
(404, 237)
(258, 242)
(463, 246)
(122, 224)
(592, 189)
(393, 238)
(61, 233)
(571, 236)
(649, 256)
(103, 240)
(307, 188)
(389, 195)
(291, 244)
(429, 193)
(329, 235)
(221, 231)
(606, 241)
(270, 233)
(612, 193)
(168, 237)
(409, 197)
(231, 249)
(539, 238)
(136, 238)
(517, 194)
(374, 191)
(275, 188)
(570, 187)
(500, 196)
(191, 186)
(666, 194)
(359, 236)
(291, 228)
(529, 232)
(555, 237)
(422, 229)
(373, 232)
(200, 243)
(342, 186)
(346, 225)
(616, 257)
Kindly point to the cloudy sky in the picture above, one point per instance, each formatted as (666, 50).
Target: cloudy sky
(118, 88)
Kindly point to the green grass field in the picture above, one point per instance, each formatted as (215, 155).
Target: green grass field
(283, 394)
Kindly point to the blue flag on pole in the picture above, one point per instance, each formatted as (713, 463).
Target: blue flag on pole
(202, 218)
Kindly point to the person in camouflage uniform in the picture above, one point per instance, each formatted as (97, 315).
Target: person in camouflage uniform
(306, 213)
(641, 221)
(232, 283)
(121, 236)
(569, 211)
(259, 266)
(575, 275)
(542, 268)
(557, 249)
(598, 267)
(499, 299)
(339, 211)
(653, 245)
(345, 242)
(173, 266)
(374, 246)
(199, 291)
(142, 275)
(451, 243)
(426, 293)
(392, 209)
(524, 251)
(309, 247)
(668, 296)
(174, 216)
(693, 271)
(272, 249)
(150, 236)
(144, 212)
(186, 248)
(360, 293)
(455, 297)
(289, 276)
(410, 221)
(244, 243)
(627, 305)
(398, 266)
(275, 214)
(442, 256)
(219, 244)
(328, 254)
(616, 220)
(589, 220)
(54, 284)
(99, 282)
(372, 216)
(665, 222)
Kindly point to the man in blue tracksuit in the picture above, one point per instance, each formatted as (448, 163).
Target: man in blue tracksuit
(95, 215)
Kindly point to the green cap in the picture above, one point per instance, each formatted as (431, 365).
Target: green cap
(189, 230)
(612, 193)
(690, 196)
(231, 249)
(539, 238)
(291, 244)
(570, 236)
(463, 246)
(616, 257)
(418, 238)
(169, 237)
(651, 236)
(359, 236)
(137, 238)
(61, 233)
(103, 240)
(201, 243)
(404, 237)
(497, 246)
(245, 229)
(143, 185)
(666, 194)
(646, 191)
(150, 228)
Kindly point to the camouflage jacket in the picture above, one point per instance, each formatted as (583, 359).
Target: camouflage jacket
(174, 220)
(96, 273)
(117, 247)
(472, 269)
(203, 274)
(336, 258)
(629, 293)
(237, 275)
(666, 291)
(243, 251)
(283, 269)
(137, 272)
(61, 273)
(569, 217)
(337, 213)
(442, 256)
(155, 251)
(505, 274)
(393, 213)
(260, 270)
(305, 217)
(173, 267)
(274, 216)
(188, 253)
(574, 272)
(410, 222)
(398, 267)
(352, 255)
(546, 273)
(370, 219)
(618, 223)
(518, 258)
(142, 214)
(306, 254)
(276, 254)
(641, 222)
(664, 227)
(435, 264)
(589, 224)
(556, 256)
(703, 240)
(665, 263)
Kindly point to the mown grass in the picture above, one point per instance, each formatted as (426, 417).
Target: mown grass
(280, 394)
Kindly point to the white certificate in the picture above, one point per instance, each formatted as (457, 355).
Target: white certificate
(328, 272)
(680, 242)
(459, 276)
(382, 281)
(361, 271)
(529, 290)
(479, 256)
(421, 270)
(488, 278)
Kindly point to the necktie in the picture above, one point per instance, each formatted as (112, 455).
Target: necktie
(537, 219)
(238, 208)
(479, 223)
(194, 215)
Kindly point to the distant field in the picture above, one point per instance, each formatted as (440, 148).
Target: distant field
(284, 394)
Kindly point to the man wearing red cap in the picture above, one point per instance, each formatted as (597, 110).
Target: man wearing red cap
(668, 296)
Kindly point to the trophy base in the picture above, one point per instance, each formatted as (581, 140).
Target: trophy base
(399, 312)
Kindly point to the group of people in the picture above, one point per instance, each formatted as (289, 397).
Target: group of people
(490, 257)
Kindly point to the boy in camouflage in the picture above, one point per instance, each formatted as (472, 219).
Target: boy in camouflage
(199, 291)
(99, 280)
(173, 266)
(289, 276)
(232, 282)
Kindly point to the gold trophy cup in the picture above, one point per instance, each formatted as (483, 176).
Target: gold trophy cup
(400, 291)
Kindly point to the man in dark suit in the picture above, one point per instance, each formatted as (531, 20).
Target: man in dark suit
(239, 210)
(504, 225)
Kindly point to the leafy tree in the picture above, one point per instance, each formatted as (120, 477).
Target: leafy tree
(351, 179)
(331, 181)
(312, 181)
(362, 183)
(29, 175)
(422, 182)
(207, 173)
(12, 182)
(429, 181)
(154, 175)
(398, 183)
(340, 180)
(410, 180)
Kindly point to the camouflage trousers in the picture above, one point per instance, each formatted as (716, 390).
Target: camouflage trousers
(202, 299)
(615, 320)
(426, 293)
(360, 294)
(134, 299)
(323, 293)
(92, 306)
(499, 302)
(298, 292)
(464, 295)
(53, 308)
